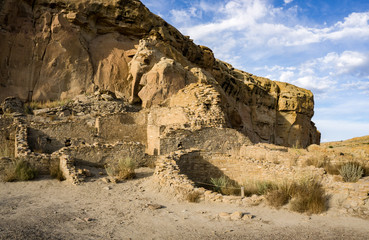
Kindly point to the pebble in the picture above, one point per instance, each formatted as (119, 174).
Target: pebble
(225, 215)
(236, 215)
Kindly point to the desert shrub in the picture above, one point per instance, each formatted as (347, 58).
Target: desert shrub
(366, 170)
(351, 172)
(279, 194)
(277, 198)
(258, 187)
(193, 196)
(56, 172)
(48, 104)
(6, 151)
(19, 170)
(323, 162)
(225, 186)
(308, 196)
(124, 169)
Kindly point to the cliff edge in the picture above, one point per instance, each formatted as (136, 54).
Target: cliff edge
(58, 49)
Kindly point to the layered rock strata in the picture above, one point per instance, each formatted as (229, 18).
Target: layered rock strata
(58, 49)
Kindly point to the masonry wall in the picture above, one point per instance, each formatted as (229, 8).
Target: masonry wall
(226, 140)
(130, 126)
(7, 136)
(201, 166)
(50, 137)
(100, 154)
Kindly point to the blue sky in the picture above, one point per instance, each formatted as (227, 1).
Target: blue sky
(320, 45)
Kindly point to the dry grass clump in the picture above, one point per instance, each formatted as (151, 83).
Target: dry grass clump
(279, 195)
(225, 186)
(19, 170)
(48, 104)
(258, 187)
(56, 172)
(6, 151)
(124, 169)
(351, 172)
(308, 196)
(323, 162)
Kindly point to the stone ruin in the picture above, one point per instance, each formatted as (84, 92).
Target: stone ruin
(135, 87)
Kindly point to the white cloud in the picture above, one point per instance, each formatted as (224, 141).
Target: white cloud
(346, 62)
(362, 86)
(286, 76)
(257, 22)
(288, 1)
(182, 16)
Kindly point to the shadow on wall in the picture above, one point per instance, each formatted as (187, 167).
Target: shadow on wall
(200, 171)
(39, 142)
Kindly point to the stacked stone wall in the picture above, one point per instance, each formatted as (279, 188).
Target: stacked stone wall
(195, 167)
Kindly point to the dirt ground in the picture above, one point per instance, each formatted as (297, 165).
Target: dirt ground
(49, 209)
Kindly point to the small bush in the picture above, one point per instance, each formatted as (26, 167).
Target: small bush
(225, 186)
(56, 172)
(277, 198)
(124, 169)
(193, 197)
(307, 196)
(6, 151)
(323, 162)
(351, 172)
(48, 104)
(20, 170)
(258, 187)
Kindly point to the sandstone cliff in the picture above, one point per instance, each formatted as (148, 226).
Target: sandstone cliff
(57, 49)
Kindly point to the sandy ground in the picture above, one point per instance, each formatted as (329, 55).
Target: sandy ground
(49, 209)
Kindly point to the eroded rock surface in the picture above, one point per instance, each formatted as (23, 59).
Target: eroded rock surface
(58, 49)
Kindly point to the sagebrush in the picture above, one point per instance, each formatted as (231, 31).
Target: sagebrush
(258, 187)
(124, 169)
(351, 172)
(19, 170)
(225, 186)
(308, 195)
(6, 151)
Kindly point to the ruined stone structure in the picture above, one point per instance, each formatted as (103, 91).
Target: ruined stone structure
(136, 87)
(60, 49)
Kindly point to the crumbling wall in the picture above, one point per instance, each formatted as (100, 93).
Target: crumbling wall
(128, 126)
(195, 167)
(7, 136)
(201, 166)
(101, 154)
(225, 140)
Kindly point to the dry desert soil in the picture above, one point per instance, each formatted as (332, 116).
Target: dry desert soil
(49, 209)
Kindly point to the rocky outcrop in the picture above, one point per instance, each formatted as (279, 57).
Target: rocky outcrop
(58, 49)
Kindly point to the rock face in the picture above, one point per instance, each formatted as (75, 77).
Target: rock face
(58, 49)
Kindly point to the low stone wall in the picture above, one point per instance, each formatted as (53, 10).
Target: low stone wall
(181, 171)
(170, 178)
(83, 153)
(7, 136)
(201, 166)
(350, 198)
(100, 154)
